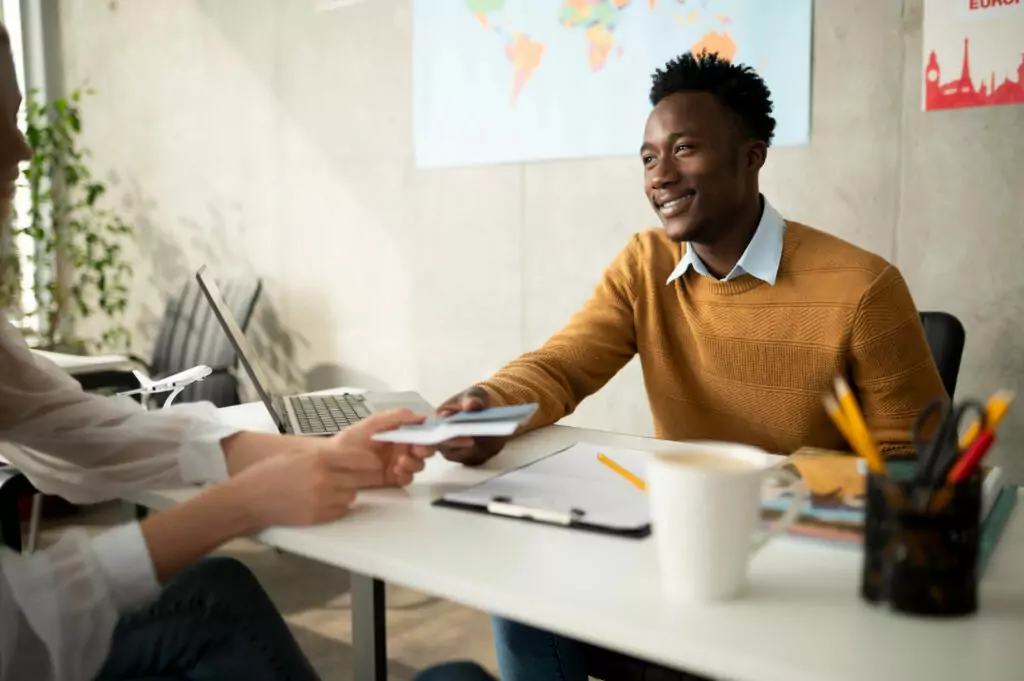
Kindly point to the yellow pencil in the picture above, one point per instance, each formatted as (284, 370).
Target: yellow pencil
(835, 412)
(858, 428)
(995, 410)
(622, 471)
(839, 419)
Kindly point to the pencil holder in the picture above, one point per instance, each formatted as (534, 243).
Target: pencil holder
(921, 546)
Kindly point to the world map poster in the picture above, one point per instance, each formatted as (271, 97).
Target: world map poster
(505, 81)
(973, 53)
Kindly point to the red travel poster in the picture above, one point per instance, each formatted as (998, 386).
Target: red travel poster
(973, 53)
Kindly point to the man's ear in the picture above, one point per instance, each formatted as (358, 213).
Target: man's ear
(755, 152)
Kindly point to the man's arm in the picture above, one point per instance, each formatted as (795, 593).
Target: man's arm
(578, 360)
(891, 364)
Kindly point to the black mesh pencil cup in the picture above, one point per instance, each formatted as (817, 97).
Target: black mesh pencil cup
(921, 546)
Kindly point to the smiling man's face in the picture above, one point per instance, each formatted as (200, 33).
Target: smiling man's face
(696, 170)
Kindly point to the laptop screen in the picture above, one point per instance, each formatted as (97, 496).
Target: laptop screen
(245, 352)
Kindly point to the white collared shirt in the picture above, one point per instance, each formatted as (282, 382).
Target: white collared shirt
(760, 260)
(58, 607)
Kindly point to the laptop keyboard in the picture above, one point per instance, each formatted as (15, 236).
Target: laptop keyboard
(325, 414)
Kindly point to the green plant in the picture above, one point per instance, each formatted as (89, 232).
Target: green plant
(10, 270)
(78, 256)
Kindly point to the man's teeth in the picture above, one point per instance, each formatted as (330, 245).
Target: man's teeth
(674, 202)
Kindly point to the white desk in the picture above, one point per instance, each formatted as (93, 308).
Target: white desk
(801, 619)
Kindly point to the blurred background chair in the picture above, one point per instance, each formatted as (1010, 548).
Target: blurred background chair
(946, 338)
(190, 335)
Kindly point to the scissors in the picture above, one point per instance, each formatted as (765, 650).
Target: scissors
(937, 454)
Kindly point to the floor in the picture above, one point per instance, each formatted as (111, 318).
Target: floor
(314, 599)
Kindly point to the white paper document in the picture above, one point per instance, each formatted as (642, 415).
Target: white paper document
(494, 422)
(572, 484)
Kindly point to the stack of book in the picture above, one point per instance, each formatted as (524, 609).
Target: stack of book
(836, 482)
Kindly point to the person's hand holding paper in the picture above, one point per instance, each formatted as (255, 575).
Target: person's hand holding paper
(384, 463)
(471, 451)
(466, 430)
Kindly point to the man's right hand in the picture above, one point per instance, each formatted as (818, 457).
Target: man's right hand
(471, 451)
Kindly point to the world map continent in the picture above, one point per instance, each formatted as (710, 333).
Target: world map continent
(598, 19)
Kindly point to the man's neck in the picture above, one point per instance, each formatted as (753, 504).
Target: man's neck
(721, 257)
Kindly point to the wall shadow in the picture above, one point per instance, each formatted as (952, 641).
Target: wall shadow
(325, 376)
(276, 346)
(169, 257)
(161, 260)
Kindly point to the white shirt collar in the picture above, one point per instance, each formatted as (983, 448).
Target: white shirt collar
(760, 260)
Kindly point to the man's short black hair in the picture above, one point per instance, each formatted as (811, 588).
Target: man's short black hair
(736, 86)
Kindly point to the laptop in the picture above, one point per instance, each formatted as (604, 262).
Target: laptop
(306, 414)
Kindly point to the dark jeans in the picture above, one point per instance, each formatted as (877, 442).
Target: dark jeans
(212, 622)
(455, 671)
(529, 654)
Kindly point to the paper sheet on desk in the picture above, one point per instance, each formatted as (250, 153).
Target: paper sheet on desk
(572, 478)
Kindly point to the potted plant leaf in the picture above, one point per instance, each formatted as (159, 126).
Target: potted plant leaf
(77, 254)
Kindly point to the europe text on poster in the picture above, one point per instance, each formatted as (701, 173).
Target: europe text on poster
(973, 53)
(499, 81)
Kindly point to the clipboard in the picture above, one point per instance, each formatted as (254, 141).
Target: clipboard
(569, 488)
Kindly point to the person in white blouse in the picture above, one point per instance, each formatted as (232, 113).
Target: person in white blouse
(94, 607)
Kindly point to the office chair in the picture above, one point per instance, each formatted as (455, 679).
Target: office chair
(190, 335)
(946, 337)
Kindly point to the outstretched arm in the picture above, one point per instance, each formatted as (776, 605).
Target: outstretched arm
(573, 364)
(87, 447)
(583, 356)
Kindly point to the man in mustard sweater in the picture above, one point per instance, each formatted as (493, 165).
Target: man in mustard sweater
(741, 318)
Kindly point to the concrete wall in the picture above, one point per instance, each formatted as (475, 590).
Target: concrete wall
(261, 136)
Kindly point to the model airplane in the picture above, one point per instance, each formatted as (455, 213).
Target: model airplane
(174, 383)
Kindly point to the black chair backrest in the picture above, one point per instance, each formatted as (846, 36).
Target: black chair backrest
(190, 335)
(946, 337)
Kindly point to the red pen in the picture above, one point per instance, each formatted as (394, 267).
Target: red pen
(971, 459)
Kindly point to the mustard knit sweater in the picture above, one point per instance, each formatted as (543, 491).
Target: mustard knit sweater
(742, 361)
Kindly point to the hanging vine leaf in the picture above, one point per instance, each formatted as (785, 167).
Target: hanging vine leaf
(71, 230)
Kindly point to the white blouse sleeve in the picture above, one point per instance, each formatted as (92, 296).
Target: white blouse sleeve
(59, 607)
(88, 448)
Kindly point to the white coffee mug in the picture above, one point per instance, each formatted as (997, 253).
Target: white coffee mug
(706, 509)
